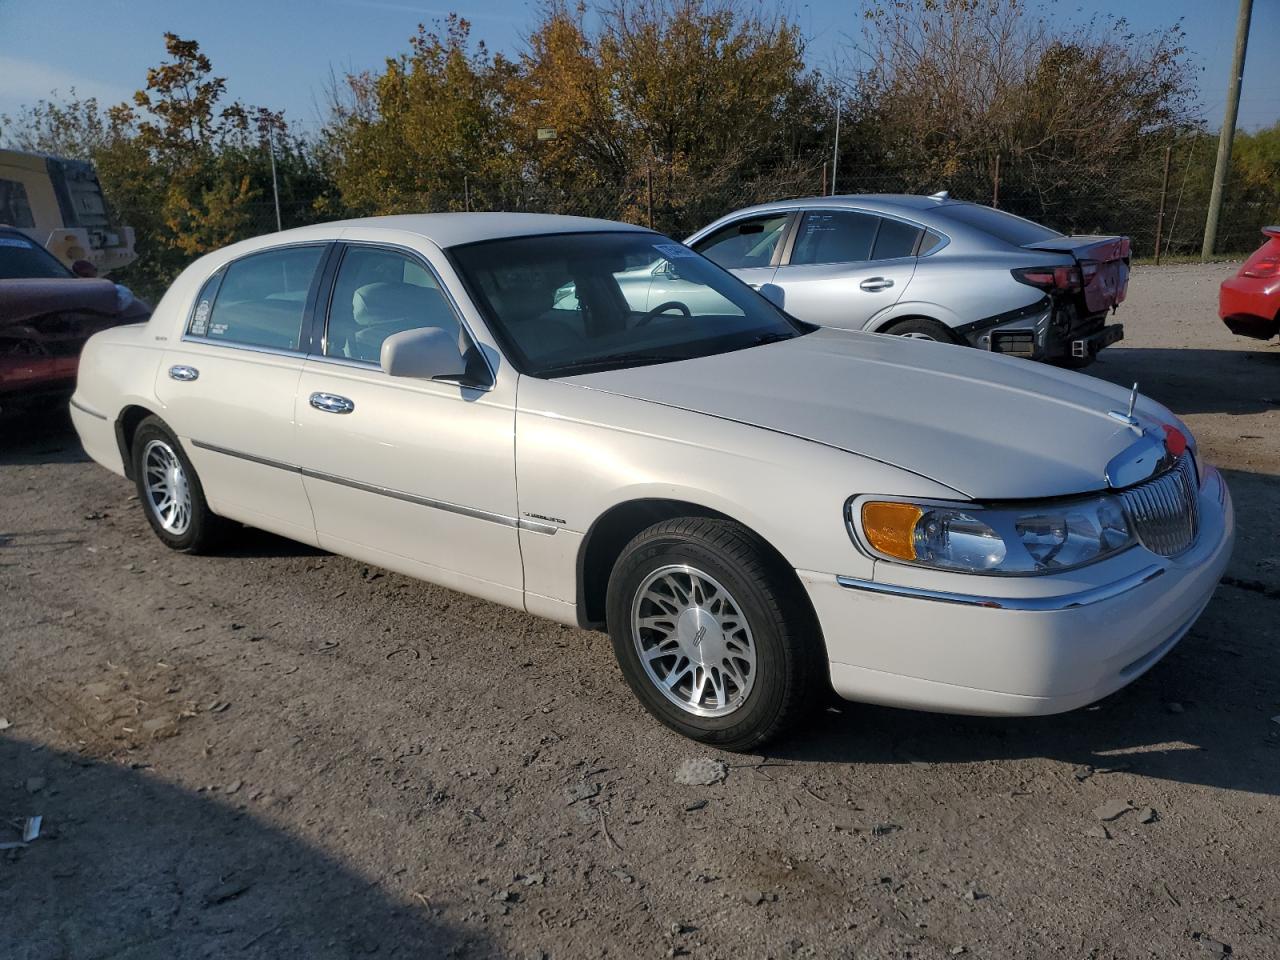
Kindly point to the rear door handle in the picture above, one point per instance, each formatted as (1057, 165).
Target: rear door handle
(332, 403)
(182, 372)
(872, 284)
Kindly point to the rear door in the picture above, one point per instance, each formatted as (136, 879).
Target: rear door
(845, 266)
(228, 386)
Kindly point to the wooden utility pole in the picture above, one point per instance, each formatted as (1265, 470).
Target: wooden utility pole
(1223, 166)
(648, 182)
(995, 184)
(835, 151)
(824, 178)
(1164, 191)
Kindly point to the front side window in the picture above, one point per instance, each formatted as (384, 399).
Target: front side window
(744, 244)
(578, 303)
(834, 236)
(379, 292)
(262, 299)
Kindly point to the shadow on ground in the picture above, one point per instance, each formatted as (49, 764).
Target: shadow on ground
(129, 866)
(1188, 380)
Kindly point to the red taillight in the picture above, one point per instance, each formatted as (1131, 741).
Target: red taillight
(1263, 269)
(1051, 278)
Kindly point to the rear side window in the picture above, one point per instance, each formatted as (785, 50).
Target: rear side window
(931, 242)
(1001, 225)
(834, 236)
(21, 259)
(261, 299)
(746, 243)
(15, 209)
(895, 239)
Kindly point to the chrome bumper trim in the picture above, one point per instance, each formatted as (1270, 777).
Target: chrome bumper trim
(83, 409)
(1066, 601)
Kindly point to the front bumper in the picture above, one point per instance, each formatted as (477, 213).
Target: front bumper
(1028, 645)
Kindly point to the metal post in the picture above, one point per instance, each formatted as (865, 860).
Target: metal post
(648, 183)
(995, 185)
(1164, 191)
(835, 151)
(1223, 166)
(275, 186)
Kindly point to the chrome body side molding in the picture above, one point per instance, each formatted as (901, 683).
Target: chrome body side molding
(532, 526)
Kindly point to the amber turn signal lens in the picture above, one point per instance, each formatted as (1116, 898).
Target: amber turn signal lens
(890, 527)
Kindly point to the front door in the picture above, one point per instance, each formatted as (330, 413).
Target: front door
(748, 248)
(228, 387)
(846, 266)
(415, 475)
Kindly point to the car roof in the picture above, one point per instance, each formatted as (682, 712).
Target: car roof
(456, 229)
(882, 202)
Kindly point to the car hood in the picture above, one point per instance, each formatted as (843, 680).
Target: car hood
(23, 300)
(989, 427)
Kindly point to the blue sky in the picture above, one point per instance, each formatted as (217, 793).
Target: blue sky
(281, 53)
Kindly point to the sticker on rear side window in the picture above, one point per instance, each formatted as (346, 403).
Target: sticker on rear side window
(16, 242)
(673, 251)
(200, 322)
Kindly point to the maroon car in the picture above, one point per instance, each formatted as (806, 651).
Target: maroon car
(47, 312)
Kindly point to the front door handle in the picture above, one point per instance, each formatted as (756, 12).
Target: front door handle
(331, 403)
(182, 372)
(872, 284)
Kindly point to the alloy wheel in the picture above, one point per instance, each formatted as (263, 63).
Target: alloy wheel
(168, 492)
(693, 641)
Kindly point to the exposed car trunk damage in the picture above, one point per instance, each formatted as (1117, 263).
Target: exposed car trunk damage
(44, 324)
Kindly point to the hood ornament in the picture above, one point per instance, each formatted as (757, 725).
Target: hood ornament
(1127, 418)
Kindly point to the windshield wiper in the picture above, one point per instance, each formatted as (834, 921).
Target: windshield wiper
(771, 338)
(611, 360)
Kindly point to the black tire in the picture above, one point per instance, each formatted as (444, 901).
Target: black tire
(790, 669)
(204, 530)
(922, 328)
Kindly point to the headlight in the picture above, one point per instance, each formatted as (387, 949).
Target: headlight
(996, 540)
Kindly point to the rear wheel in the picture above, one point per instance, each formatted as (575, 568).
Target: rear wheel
(922, 328)
(712, 634)
(170, 491)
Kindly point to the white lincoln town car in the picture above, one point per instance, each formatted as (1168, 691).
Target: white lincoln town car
(756, 509)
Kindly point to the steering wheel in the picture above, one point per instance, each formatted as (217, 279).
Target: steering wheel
(661, 308)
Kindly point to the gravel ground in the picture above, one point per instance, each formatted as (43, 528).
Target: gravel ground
(280, 753)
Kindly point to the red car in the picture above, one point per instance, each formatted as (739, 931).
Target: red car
(47, 312)
(1249, 302)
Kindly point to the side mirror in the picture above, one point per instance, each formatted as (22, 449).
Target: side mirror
(84, 269)
(424, 354)
(774, 294)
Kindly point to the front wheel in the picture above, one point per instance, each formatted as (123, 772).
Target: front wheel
(713, 634)
(170, 491)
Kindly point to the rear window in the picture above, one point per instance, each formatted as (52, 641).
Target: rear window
(23, 259)
(1001, 225)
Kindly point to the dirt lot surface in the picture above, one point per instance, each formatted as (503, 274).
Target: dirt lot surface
(279, 753)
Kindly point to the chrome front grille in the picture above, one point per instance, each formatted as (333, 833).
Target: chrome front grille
(1164, 511)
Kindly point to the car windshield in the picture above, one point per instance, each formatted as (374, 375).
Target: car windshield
(23, 259)
(582, 302)
(1001, 225)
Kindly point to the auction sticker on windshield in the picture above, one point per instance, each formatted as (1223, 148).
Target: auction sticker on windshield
(673, 251)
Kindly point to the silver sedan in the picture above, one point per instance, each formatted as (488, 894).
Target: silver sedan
(926, 267)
